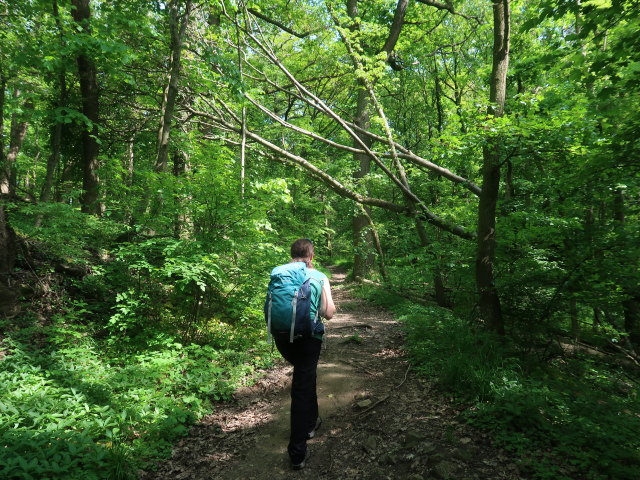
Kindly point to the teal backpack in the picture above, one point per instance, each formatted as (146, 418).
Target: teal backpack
(289, 302)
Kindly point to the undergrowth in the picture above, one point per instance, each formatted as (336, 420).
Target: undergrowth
(73, 411)
(104, 369)
(566, 418)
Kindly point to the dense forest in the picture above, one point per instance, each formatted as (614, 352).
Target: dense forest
(474, 165)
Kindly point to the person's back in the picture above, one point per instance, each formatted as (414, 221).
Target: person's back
(303, 353)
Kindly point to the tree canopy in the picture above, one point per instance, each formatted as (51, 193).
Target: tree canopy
(482, 156)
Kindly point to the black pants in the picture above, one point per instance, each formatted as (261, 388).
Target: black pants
(303, 354)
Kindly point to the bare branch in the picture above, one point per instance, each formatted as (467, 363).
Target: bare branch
(281, 26)
(449, 8)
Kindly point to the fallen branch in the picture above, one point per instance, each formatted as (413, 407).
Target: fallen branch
(359, 367)
(374, 405)
(355, 325)
(626, 353)
(384, 399)
(406, 373)
(423, 301)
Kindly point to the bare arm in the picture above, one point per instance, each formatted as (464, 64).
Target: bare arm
(328, 307)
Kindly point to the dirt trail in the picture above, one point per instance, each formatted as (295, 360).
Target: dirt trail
(380, 420)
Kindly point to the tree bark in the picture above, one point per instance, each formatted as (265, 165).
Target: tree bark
(8, 172)
(90, 108)
(181, 217)
(177, 29)
(362, 237)
(631, 304)
(56, 132)
(3, 86)
(489, 301)
(8, 295)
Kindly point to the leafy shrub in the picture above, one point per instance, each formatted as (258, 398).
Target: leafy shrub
(574, 418)
(64, 231)
(75, 413)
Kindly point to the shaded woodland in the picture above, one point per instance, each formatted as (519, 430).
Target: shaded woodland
(474, 165)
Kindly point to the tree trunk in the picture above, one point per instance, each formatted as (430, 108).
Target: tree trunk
(19, 124)
(489, 301)
(575, 319)
(510, 191)
(90, 107)
(597, 315)
(362, 237)
(56, 132)
(631, 305)
(439, 287)
(177, 30)
(8, 295)
(181, 217)
(3, 86)
(376, 241)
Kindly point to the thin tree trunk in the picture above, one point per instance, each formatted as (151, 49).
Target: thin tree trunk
(129, 165)
(180, 219)
(438, 94)
(8, 173)
(363, 233)
(439, 288)
(90, 108)
(177, 29)
(575, 321)
(376, 241)
(130, 162)
(243, 151)
(56, 132)
(489, 301)
(8, 295)
(509, 190)
(597, 316)
(362, 238)
(327, 230)
(3, 86)
(631, 304)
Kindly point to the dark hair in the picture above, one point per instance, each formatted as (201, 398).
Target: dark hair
(302, 248)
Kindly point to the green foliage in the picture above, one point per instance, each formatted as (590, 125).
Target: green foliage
(575, 417)
(179, 257)
(64, 231)
(71, 412)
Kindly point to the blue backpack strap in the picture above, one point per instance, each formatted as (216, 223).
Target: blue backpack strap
(270, 301)
(319, 306)
(294, 304)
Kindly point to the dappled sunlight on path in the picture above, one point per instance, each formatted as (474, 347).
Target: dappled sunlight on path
(379, 420)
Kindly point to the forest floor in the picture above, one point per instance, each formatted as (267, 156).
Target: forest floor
(381, 421)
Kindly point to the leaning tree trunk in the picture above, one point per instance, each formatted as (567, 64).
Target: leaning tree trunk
(90, 105)
(489, 301)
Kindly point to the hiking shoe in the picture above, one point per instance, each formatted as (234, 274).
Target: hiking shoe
(312, 433)
(300, 466)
